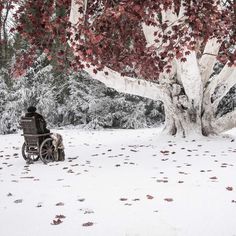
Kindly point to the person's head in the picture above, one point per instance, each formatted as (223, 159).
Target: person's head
(31, 109)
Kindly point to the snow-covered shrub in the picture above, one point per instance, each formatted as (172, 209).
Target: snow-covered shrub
(99, 113)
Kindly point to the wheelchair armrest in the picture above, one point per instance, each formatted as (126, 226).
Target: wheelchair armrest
(35, 135)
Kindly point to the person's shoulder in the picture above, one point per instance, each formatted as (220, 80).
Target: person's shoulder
(39, 115)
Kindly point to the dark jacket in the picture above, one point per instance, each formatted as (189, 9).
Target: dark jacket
(40, 122)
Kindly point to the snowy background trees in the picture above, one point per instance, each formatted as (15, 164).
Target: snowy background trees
(72, 99)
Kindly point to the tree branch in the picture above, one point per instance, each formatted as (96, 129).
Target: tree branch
(75, 16)
(208, 59)
(226, 79)
(224, 123)
(189, 74)
(127, 84)
(113, 79)
(224, 87)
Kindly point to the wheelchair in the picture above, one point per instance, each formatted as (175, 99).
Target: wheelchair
(36, 146)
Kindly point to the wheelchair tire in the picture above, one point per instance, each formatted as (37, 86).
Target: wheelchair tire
(46, 151)
(28, 157)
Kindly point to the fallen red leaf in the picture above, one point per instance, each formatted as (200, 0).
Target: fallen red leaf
(56, 222)
(149, 196)
(60, 216)
(214, 177)
(87, 224)
(168, 199)
(60, 204)
(123, 199)
(229, 188)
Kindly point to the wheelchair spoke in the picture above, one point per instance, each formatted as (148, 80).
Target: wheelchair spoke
(44, 152)
(47, 151)
(46, 157)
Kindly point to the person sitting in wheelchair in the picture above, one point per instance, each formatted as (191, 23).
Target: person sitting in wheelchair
(41, 127)
(40, 122)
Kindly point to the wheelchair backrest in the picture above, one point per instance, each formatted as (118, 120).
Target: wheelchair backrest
(29, 125)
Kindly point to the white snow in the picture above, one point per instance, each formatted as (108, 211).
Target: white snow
(119, 180)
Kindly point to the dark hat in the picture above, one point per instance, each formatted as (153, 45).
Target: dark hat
(31, 109)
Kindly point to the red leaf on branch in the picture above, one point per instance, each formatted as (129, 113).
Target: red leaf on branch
(89, 51)
(179, 55)
(97, 39)
(95, 71)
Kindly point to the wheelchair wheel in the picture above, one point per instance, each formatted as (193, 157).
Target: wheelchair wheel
(46, 151)
(26, 156)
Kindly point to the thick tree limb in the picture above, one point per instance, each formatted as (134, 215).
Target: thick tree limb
(182, 9)
(127, 84)
(224, 123)
(75, 15)
(169, 15)
(224, 88)
(225, 80)
(148, 31)
(208, 59)
(189, 74)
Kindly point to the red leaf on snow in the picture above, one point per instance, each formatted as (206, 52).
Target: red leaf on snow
(136, 199)
(60, 217)
(87, 224)
(18, 201)
(168, 199)
(123, 199)
(56, 222)
(214, 177)
(229, 188)
(149, 197)
(60, 204)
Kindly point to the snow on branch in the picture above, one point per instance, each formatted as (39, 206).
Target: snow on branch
(208, 59)
(224, 123)
(127, 84)
(75, 13)
(224, 86)
(189, 74)
(226, 79)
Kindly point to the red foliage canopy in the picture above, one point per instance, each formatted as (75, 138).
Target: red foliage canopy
(112, 33)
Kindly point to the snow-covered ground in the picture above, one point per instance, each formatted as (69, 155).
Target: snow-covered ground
(121, 183)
